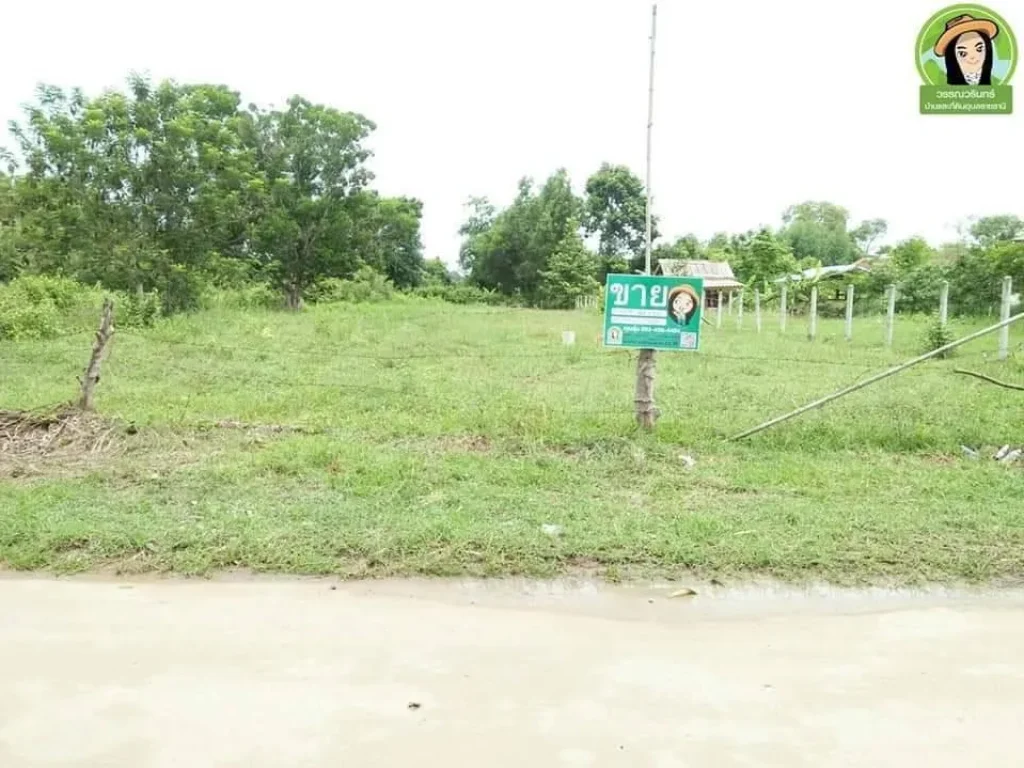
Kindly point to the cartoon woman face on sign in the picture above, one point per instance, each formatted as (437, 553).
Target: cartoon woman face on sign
(966, 46)
(682, 304)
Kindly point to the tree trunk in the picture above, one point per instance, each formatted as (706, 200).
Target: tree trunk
(92, 371)
(293, 297)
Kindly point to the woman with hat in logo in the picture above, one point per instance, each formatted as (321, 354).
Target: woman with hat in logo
(682, 304)
(966, 46)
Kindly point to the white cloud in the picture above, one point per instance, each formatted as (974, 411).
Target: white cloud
(758, 105)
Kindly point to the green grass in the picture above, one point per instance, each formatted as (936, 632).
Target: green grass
(451, 435)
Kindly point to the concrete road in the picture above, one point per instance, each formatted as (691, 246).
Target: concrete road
(165, 674)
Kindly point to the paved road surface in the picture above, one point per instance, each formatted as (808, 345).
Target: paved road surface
(164, 674)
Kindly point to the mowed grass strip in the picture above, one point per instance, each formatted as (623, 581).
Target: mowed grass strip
(452, 436)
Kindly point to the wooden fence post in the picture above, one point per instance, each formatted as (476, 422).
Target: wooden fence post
(1004, 314)
(646, 413)
(718, 312)
(92, 371)
(739, 313)
(812, 329)
(890, 314)
(944, 303)
(731, 294)
(849, 313)
(757, 309)
(782, 308)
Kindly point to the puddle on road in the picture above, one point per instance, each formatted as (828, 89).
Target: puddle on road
(654, 601)
(640, 601)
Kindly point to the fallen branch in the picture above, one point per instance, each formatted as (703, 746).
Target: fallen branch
(989, 379)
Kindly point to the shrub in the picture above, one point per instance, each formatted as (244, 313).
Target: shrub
(40, 307)
(22, 320)
(367, 285)
(461, 293)
(137, 310)
(248, 297)
(937, 336)
(64, 294)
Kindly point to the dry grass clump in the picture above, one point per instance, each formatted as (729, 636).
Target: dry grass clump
(62, 432)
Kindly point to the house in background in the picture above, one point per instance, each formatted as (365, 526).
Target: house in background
(719, 281)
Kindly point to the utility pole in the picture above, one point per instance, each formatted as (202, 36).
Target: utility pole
(646, 413)
(650, 126)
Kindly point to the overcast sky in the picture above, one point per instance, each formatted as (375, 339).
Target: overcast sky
(757, 104)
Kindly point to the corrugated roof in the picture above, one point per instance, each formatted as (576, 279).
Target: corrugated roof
(687, 268)
(830, 271)
(721, 282)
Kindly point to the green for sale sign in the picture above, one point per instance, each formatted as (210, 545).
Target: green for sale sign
(653, 312)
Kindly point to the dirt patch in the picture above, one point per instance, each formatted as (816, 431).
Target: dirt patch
(63, 434)
(470, 443)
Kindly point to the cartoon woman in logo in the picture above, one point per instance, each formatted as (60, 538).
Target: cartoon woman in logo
(682, 304)
(967, 47)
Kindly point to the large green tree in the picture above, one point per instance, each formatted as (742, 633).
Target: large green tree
(615, 210)
(312, 167)
(686, 248)
(394, 247)
(867, 233)
(569, 273)
(989, 230)
(911, 254)
(762, 259)
(138, 189)
(171, 187)
(506, 251)
(818, 231)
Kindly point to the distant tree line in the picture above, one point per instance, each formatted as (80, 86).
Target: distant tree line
(163, 190)
(534, 249)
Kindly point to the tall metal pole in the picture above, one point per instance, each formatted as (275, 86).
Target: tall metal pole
(646, 413)
(650, 125)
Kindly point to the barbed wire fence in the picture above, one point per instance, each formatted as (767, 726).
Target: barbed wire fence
(119, 370)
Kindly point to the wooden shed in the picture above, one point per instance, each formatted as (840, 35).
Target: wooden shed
(719, 281)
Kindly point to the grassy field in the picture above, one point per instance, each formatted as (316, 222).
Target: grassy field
(442, 440)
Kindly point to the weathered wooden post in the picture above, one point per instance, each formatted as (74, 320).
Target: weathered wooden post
(757, 309)
(1004, 315)
(739, 312)
(99, 348)
(812, 329)
(890, 314)
(849, 313)
(944, 303)
(718, 312)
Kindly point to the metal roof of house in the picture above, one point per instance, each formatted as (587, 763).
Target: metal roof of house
(818, 273)
(716, 274)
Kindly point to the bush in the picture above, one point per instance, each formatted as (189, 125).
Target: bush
(367, 285)
(37, 307)
(22, 320)
(937, 336)
(461, 293)
(40, 307)
(249, 297)
(137, 310)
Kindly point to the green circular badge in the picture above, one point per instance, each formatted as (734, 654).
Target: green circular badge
(964, 45)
